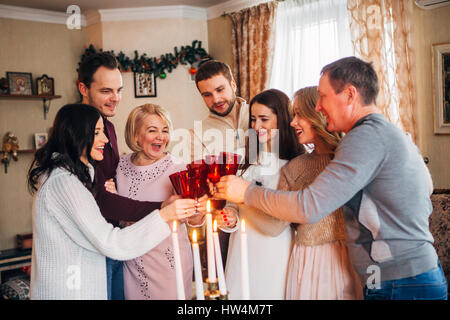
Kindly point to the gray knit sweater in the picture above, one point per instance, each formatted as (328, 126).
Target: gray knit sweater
(378, 175)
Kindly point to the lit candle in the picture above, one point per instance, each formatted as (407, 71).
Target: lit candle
(210, 244)
(245, 286)
(220, 274)
(197, 268)
(178, 270)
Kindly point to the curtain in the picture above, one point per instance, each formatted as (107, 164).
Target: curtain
(382, 33)
(309, 34)
(252, 43)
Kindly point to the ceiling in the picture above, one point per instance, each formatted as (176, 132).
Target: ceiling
(85, 5)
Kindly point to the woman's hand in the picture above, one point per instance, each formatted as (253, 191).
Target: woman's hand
(232, 188)
(226, 218)
(171, 199)
(178, 210)
(110, 186)
(199, 218)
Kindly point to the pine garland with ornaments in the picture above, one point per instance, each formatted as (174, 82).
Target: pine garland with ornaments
(193, 55)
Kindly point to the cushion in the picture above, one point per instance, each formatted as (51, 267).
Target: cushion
(439, 225)
(17, 289)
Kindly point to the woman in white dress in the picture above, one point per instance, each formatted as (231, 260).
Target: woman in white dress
(272, 143)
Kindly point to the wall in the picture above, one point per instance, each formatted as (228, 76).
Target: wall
(37, 48)
(431, 26)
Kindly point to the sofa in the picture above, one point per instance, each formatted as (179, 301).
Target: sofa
(439, 226)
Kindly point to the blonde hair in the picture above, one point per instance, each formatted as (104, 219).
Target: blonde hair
(305, 101)
(135, 121)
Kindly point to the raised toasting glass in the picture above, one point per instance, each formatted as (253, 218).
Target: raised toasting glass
(215, 168)
(180, 182)
(230, 162)
(198, 173)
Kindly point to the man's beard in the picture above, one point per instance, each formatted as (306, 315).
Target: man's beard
(227, 112)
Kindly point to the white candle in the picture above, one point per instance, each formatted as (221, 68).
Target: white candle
(210, 245)
(220, 274)
(178, 270)
(197, 268)
(245, 286)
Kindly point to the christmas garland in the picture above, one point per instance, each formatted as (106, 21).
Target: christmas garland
(194, 54)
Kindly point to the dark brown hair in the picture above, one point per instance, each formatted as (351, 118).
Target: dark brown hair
(212, 68)
(92, 62)
(354, 71)
(72, 134)
(280, 104)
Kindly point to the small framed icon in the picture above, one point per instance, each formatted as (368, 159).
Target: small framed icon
(20, 83)
(45, 86)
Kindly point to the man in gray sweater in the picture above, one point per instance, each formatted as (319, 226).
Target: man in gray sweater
(379, 178)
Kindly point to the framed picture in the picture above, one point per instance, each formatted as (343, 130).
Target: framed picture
(20, 83)
(441, 86)
(144, 85)
(45, 86)
(40, 139)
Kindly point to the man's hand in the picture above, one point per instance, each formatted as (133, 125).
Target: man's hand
(232, 188)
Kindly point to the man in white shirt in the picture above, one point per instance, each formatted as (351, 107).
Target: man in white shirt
(225, 127)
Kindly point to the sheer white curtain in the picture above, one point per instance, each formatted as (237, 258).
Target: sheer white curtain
(308, 35)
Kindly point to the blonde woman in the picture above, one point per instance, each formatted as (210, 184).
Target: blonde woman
(319, 266)
(144, 175)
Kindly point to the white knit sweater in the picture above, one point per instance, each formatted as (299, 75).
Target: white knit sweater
(71, 239)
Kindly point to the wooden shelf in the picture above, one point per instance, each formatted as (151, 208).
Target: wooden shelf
(44, 98)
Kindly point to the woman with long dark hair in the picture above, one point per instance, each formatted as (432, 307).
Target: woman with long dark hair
(70, 236)
(272, 143)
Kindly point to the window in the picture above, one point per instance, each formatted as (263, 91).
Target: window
(308, 35)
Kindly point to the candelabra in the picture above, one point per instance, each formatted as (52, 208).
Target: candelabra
(192, 183)
(212, 290)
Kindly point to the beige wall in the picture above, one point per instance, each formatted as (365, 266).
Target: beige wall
(176, 93)
(431, 26)
(37, 48)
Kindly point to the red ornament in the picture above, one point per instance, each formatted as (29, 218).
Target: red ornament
(192, 71)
